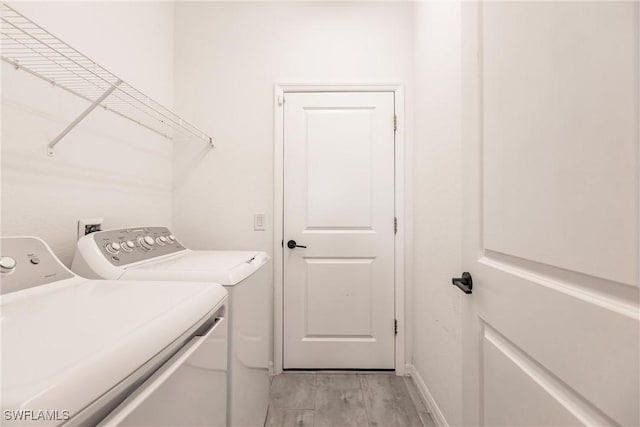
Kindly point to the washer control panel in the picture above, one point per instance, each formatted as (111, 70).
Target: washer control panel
(128, 245)
(26, 262)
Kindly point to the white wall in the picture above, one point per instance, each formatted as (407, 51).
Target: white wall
(228, 57)
(437, 205)
(106, 167)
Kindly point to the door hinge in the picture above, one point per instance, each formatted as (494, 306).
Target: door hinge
(395, 326)
(395, 225)
(395, 123)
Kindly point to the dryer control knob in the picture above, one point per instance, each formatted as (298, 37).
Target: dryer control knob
(7, 264)
(113, 247)
(171, 237)
(146, 242)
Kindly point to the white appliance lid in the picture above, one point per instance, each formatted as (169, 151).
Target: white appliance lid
(67, 343)
(224, 267)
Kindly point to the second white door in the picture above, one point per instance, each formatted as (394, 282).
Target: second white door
(550, 139)
(339, 203)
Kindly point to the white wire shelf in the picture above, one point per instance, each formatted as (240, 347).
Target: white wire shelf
(27, 46)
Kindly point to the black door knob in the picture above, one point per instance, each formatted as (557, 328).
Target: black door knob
(291, 244)
(464, 283)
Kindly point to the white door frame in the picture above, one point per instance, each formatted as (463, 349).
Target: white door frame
(278, 213)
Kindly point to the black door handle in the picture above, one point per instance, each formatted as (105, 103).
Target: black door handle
(291, 244)
(464, 283)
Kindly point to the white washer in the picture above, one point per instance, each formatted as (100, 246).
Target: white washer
(83, 352)
(153, 253)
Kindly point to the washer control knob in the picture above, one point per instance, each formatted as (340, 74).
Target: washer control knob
(113, 247)
(163, 239)
(7, 264)
(127, 246)
(171, 237)
(146, 242)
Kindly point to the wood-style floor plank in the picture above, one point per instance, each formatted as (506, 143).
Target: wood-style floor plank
(279, 417)
(293, 391)
(345, 399)
(388, 402)
(339, 402)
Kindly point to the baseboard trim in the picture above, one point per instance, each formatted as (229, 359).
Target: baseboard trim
(426, 396)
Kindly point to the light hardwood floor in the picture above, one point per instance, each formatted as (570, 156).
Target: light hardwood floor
(345, 399)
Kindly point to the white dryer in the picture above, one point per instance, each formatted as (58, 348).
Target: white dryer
(81, 352)
(153, 253)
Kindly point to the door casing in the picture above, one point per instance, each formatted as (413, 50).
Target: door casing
(278, 213)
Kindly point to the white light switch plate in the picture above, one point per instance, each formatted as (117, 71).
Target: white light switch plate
(258, 222)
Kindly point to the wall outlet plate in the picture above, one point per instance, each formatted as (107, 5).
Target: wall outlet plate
(89, 225)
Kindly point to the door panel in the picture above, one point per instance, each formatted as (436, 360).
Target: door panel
(327, 278)
(550, 127)
(559, 115)
(339, 203)
(339, 167)
(528, 389)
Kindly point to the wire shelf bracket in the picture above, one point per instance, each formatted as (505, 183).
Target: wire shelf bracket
(28, 47)
(84, 114)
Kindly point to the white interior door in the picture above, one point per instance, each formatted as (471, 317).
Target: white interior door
(339, 203)
(551, 213)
